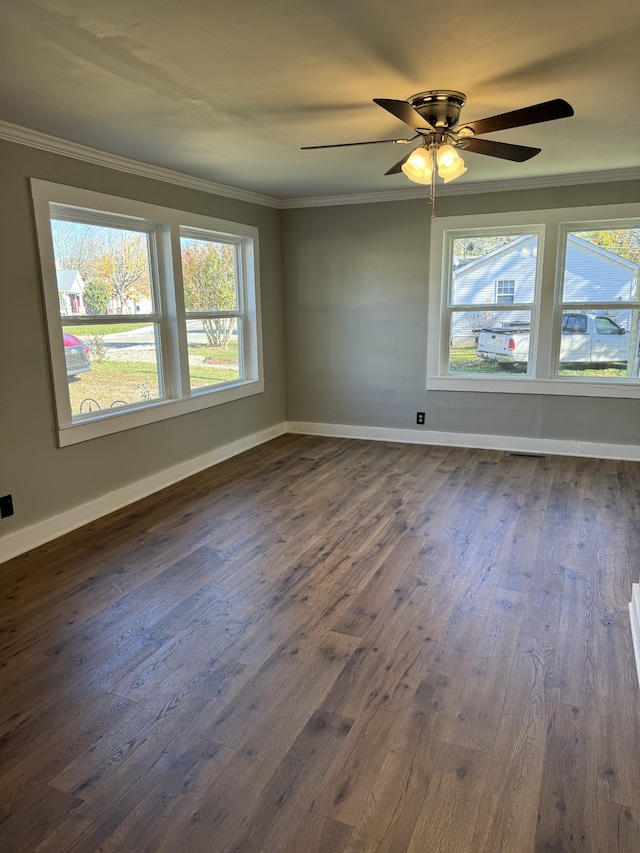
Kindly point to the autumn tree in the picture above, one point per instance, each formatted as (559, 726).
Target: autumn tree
(123, 263)
(624, 242)
(209, 275)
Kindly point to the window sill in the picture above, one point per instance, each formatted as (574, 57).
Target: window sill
(565, 387)
(112, 422)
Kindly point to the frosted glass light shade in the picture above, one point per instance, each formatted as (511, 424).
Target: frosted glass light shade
(419, 166)
(453, 172)
(447, 157)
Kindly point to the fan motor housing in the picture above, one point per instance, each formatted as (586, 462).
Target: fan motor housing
(440, 107)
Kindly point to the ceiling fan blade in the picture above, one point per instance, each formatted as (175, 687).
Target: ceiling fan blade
(547, 111)
(405, 112)
(398, 166)
(503, 150)
(350, 144)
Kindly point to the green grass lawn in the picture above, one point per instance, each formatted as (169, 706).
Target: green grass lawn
(112, 380)
(465, 360)
(217, 355)
(89, 331)
(594, 370)
(118, 382)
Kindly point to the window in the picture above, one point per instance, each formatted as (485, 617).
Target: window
(547, 302)
(151, 312)
(505, 291)
(479, 303)
(600, 291)
(210, 273)
(109, 262)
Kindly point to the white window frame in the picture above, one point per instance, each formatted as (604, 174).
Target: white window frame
(240, 275)
(541, 376)
(166, 224)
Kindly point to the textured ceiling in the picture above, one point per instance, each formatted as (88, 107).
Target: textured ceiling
(230, 91)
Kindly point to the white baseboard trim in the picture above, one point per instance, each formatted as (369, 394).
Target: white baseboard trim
(634, 611)
(51, 528)
(518, 444)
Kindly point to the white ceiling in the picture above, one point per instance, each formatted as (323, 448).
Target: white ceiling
(230, 91)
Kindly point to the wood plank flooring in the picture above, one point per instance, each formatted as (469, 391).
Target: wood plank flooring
(332, 646)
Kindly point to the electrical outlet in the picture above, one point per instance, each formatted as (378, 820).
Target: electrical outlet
(6, 506)
(420, 419)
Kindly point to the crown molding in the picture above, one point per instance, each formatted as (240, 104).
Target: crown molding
(55, 145)
(468, 188)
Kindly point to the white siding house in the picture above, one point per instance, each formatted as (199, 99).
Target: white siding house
(592, 274)
(70, 292)
(477, 281)
(508, 275)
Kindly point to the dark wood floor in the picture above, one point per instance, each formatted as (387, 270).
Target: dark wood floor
(332, 646)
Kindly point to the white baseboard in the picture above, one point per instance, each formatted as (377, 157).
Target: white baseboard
(518, 444)
(634, 611)
(37, 534)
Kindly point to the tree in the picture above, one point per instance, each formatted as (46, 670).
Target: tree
(479, 319)
(209, 274)
(624, 242)
(96, 295)
(123, 263)
(476, 247)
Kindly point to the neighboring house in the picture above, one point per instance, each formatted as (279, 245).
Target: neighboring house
(70, 290)
(605, 276)
(71, 296)
(507, 275)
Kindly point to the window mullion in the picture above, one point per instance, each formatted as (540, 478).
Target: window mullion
(543, 311)
(175, 328)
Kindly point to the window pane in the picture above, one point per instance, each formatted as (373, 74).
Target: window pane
(494, 270)
(489, 342)
(213, 351)
(209, 274)
(602, 266)
(101, 270)
(109, 366)
(599, 343)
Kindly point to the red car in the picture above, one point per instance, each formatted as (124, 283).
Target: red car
(76, 353)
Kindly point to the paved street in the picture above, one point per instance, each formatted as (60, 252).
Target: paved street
(139, 345)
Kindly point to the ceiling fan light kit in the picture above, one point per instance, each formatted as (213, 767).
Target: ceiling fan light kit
(434, 115)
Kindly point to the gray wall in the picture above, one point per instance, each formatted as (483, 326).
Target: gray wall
(352, 350)
(355, 296)
(46, 480)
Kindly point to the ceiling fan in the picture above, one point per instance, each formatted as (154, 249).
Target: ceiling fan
(435, 115)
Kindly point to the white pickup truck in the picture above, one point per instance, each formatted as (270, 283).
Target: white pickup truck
(586, 339)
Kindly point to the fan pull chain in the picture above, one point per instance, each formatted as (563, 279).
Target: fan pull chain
(432, 193)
